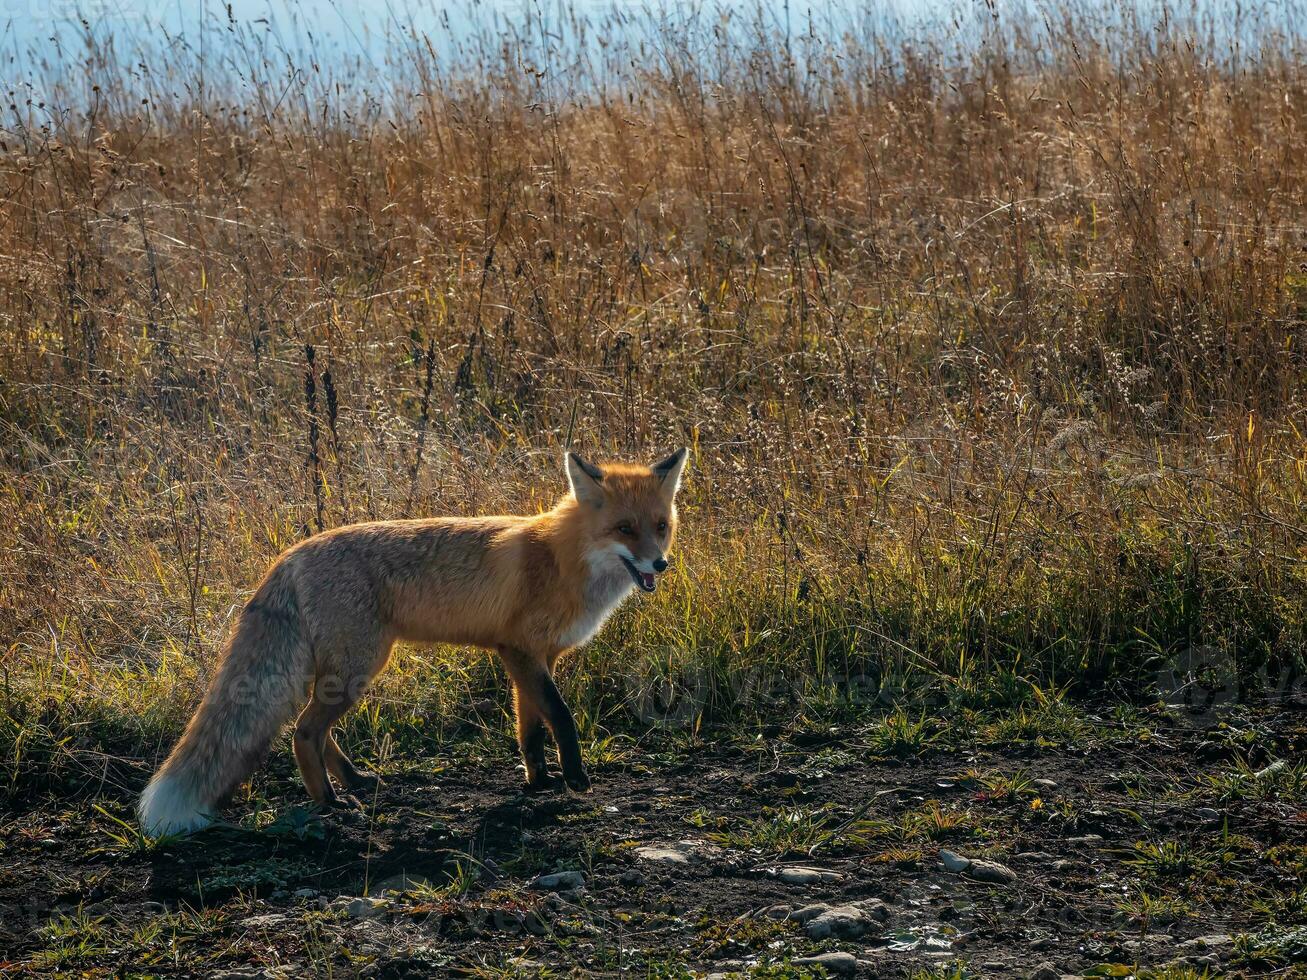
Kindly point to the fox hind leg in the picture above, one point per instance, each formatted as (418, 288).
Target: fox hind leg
(311, 731)
(346, 773)
(316, 750)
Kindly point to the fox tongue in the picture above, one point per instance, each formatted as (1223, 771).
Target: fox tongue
(648, 580)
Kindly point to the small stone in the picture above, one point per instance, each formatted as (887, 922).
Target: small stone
(533, 924)
(304, 893)
(1215, 941)
(267, 921)
(1208, 814)
(954, 862)
(1045, 971)
(843, 921)
(358, 908)
(991, 871)
(807, 913)
(873, 907)
(632, 878)
(1085, 839)
(844, 964)
(1274, 769)
(1035, 857)
(1044, 784)
(777, 913)
(506, 920)
(558, 881)
(668, 854)
(806, 876)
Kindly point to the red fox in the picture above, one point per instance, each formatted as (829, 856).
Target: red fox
(322, 623)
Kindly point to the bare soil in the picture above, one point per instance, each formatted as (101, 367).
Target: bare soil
(451, 846)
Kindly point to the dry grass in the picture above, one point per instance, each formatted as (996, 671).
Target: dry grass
(991, 354)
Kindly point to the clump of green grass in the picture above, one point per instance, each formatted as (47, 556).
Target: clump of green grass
(1273, 946)
(1147, 910)
(779, 832)
(1168, 859)
(715, 940)
(1284, 780)
(72, 939)
(1048, 724)
(995, 787)
(900, 734)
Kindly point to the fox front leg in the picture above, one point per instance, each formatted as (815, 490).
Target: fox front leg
(531, 735)
(559, 718)
(538, 699)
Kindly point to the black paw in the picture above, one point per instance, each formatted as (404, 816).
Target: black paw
(578, 782)
(343, 803)
(364, 782)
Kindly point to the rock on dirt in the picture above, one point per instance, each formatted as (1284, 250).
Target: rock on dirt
(558, 881)
(840, 921)
(991, 871)
(1274, 769)
(269, 920)
(360, 907)
(666, 853)
(681, 852)
(804, 876)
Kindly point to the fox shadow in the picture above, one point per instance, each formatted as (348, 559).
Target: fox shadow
(412, 830)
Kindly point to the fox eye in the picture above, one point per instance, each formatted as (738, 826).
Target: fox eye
(662, 527)
(626, 529)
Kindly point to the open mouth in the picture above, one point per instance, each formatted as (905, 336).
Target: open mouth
(644, 580)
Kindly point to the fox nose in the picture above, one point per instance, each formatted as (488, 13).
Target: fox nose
(660, 565)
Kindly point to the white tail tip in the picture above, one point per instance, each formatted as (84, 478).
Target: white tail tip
(167, 807)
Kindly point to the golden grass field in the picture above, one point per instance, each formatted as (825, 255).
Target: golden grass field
(989, 348)
(988, 337)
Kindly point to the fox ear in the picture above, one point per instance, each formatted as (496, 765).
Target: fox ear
(669, 470)
(586, 480)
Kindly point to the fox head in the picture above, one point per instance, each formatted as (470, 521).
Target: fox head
(630, 514)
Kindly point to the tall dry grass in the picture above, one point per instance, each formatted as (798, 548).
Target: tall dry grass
(989, 346)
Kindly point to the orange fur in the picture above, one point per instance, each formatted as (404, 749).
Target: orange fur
(327, 614)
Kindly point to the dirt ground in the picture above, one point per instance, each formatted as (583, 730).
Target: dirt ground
(1130, 846)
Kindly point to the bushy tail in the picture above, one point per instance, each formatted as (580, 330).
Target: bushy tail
(263, 677)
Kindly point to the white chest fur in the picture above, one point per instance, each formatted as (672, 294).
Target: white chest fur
(604, 593)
